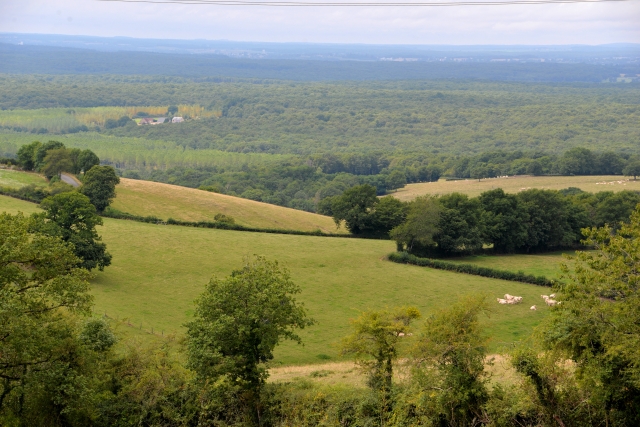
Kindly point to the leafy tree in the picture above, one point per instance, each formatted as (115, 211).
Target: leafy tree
(449, 381)
(57, 161)
(552, 220)
(240, 320)
(356, 208)
(172, 110)
(42, 151)
(389, 213)
(504, 220)
(597, 325)
(578, 161)
(610, 163)
(459, 225)
(27, 155)
(374, 343)
(86, 160)
(417, 232)
(100, 186)
(41, 286)
(396, 179)
(632, 169)
(73, 218)
(614, 208)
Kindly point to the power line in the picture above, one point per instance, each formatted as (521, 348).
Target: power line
(285, 3)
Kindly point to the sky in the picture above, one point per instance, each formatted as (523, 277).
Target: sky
(548, 24)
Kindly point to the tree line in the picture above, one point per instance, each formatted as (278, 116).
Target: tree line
(61, 367)
(455, 224)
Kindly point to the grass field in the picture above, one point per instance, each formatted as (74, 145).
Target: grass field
(158, 271)
(188, 204)
(17, 179)
(547, 264)
(515, 184)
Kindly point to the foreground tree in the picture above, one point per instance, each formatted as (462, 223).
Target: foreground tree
(238, 323)
(41, 288)
(99, 185)
(374, 343)
(73, 218)
(449, 384)
(597, 327)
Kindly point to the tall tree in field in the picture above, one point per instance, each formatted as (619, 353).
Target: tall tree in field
(238, 323)
(73, 218)
(99, 185)
(356, 208)
(416, 234)
(632, 169)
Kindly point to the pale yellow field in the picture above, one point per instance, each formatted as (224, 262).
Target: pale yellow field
(515, 184)
(188, 204)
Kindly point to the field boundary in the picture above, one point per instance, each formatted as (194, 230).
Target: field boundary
(406, 258)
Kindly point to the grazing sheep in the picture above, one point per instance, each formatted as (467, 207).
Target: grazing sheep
(551, 302)
(508, 297)
(552, 296)
(545, 297)
(502, 301)
(518, 300)
(400, 334)
(533, 307)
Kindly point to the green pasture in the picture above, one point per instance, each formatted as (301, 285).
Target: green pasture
(158, 271)
(547, 264)
(16, 179)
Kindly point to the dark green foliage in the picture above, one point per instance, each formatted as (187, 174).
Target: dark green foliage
(97, 335)
(356, 207)
(632, 169)
(99, 184)
(27, 155)
(504, 220)
(406, 258)
(85, 161)
(56, 161)
(72, 217)
(460, 226)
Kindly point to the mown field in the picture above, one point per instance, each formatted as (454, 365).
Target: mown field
(158, 271)
(188, 204)
(514, 184)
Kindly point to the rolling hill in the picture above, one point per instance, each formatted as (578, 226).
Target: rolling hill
(188, 204)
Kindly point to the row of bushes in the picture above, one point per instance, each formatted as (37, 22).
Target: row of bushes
(406, 258)
(221, 225)
(29, 193)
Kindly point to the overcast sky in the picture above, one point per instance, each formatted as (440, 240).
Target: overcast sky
(534, 24)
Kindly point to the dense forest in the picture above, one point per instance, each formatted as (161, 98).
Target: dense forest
(296, 143)
(19, 59)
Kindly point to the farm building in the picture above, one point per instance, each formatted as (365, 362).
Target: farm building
(177, 120)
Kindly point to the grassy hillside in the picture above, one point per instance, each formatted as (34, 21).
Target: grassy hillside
(17, 179)
(158, 271)
(514, 184)
(188, 204)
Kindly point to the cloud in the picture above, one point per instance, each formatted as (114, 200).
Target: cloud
(593, 23)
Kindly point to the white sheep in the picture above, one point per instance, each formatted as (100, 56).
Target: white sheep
(552, 296)
(508, 297)
(502, 301)
(545, 297)
(551, 302)
(533, 307)
(518, 300)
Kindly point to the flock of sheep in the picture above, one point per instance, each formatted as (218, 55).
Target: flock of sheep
(512, 299)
